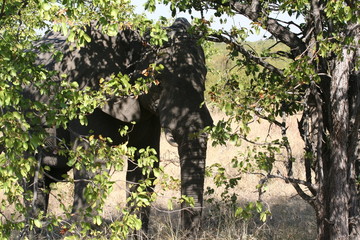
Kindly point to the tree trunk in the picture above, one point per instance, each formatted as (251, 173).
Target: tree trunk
(334, 199)
(337, 189)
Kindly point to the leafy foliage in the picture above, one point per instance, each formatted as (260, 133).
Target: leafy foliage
(21, 134)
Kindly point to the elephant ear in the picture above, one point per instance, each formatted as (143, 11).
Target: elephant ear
(124, 109)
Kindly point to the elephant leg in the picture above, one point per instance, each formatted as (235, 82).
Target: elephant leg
(48, 157)
(192, 159)
(144, 135)
(192, 185)
(134, 176)
(81, 178)
(41, 188)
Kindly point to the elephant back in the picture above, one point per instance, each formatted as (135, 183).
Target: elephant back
(102, 57)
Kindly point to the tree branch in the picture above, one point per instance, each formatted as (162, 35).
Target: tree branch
(253, 10)
(2, 13)
(316, 15)
(296, 183)
(289, 23)
(289, 164)
(319, 169)
(246, 53)
(282, 33)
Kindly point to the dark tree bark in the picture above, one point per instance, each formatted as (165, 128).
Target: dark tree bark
(337, 189)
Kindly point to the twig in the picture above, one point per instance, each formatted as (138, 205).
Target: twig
(177, 210)
(24, 4)
(277, 123)
(4, 216)
(276, 43)
(2, 9)
(246, 53)
(290, 23)
(255, 143)
(268, 131)
(292, 181)
(286, 142)
(65, 181)
(36, 182)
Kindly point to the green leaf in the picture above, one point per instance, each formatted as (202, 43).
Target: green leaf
(112, 30)
(17, 115)
(239, 211)
(46, 6)
(71, 36)
(64, 28)
(87, 38)
(157, 172)
(114, 12)
(170, 205)
(37, 223)
(97, 220)
(137, 224)
(263, 216)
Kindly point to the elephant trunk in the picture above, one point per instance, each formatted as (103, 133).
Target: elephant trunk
(192, 158)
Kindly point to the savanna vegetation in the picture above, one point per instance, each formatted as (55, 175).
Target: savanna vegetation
(261, 89)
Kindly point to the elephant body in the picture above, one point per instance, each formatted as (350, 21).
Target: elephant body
(176, 104)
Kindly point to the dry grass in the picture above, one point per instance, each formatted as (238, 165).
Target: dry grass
(291, 217)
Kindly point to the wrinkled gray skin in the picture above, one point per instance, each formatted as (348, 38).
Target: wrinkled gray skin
(176, 104)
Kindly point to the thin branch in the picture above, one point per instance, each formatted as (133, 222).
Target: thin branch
(24, 5)
(247, 54)
(65, 181)
(271, 25)
(295, 182)
(268, 131)
(2, 13)
(320, 132)
(277, 123)
(36, 181)
(308, 35)
(255, 143)
(304, 128)
(4, 216)
(276, 43)
(316, 16)
(174, 211)
(290, 23)
(286, 142)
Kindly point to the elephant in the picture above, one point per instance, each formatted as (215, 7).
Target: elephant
(175, 104)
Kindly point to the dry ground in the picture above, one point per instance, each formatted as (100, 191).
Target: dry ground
(291, 217)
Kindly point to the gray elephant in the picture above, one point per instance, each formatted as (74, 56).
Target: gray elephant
(176, 104)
